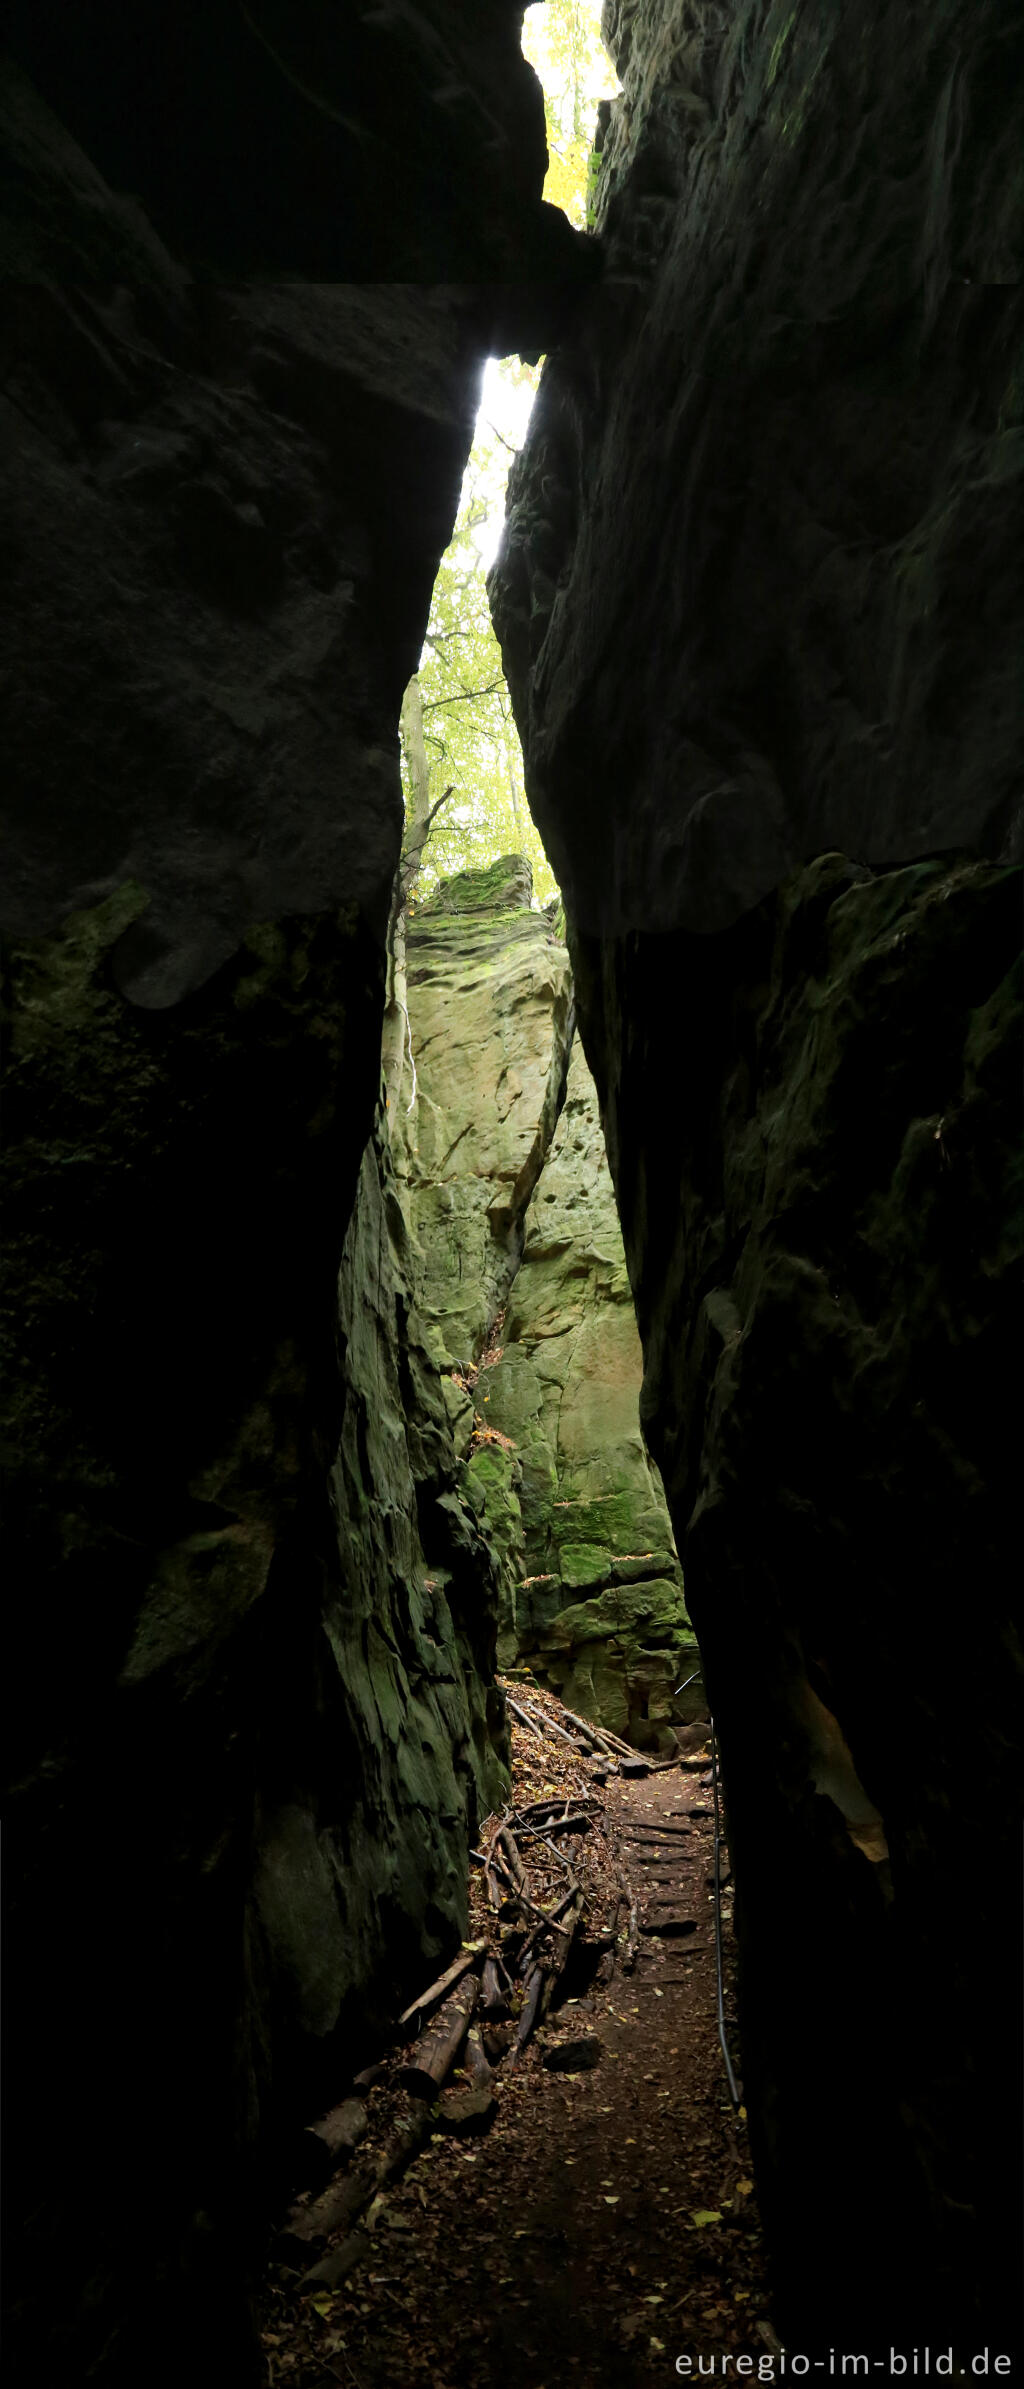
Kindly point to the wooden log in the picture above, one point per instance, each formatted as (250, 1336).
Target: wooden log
(474, 2058)
(543, 1981)
(571, 1909)
(493, 2000)
(461, 1965)
(531, 2007)
(335, 2267)
(371, 2074)
(327, 2144)
(307, 2227)
(434, 2055)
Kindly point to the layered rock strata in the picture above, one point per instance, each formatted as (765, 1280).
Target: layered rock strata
(251, 1620)
(760, 606)
(521, 1270)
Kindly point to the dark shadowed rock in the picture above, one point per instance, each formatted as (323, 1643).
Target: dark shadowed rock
(253, 1620)
(761, 608)
(814, 237)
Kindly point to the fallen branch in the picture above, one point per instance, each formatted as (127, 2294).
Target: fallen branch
(433, 2057)
(507, 1840)
(577, 1824)
(461, 1966)
(524, 1717)
(545, 1727)
(603, 1735)
(551, 1918)
(544, 1979)
(547, 1808)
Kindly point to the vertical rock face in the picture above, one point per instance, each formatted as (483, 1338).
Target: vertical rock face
(490, 1006)
(761, 612)
(375, 1786)
(813, 247)
(508, 1195)
(252, 1619)
(599, 1612)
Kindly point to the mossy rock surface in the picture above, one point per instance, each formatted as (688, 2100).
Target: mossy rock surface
(506, 1189)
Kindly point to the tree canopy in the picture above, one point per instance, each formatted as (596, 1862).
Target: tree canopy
(465, 712)
(562, 40)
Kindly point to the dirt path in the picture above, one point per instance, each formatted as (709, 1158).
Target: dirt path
(607, 2223)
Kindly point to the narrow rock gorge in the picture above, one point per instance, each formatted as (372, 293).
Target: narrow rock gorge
(310, 1408)
(522, 1281)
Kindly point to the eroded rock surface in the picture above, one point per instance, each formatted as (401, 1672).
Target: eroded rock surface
(761, 612)
(599, 1612)
(508, 1195)
(490, 1005)
(251, 1617)
(813, 231)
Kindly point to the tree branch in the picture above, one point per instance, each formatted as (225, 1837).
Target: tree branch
(465, 696)
(499, 435)
(435, 809)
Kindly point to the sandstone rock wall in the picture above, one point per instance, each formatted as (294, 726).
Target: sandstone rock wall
(245, 1663)
(599, 1613)
(760, 604)
(490, 1007)
(507, 1192)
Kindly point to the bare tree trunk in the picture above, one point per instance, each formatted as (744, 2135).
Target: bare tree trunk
(397, 1040)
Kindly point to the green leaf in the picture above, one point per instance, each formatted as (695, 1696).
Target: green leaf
(469, 737)
(705, 2215)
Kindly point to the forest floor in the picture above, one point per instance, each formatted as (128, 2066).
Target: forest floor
(607, 2223)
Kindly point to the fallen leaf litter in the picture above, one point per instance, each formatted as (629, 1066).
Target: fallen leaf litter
(545, 2248)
